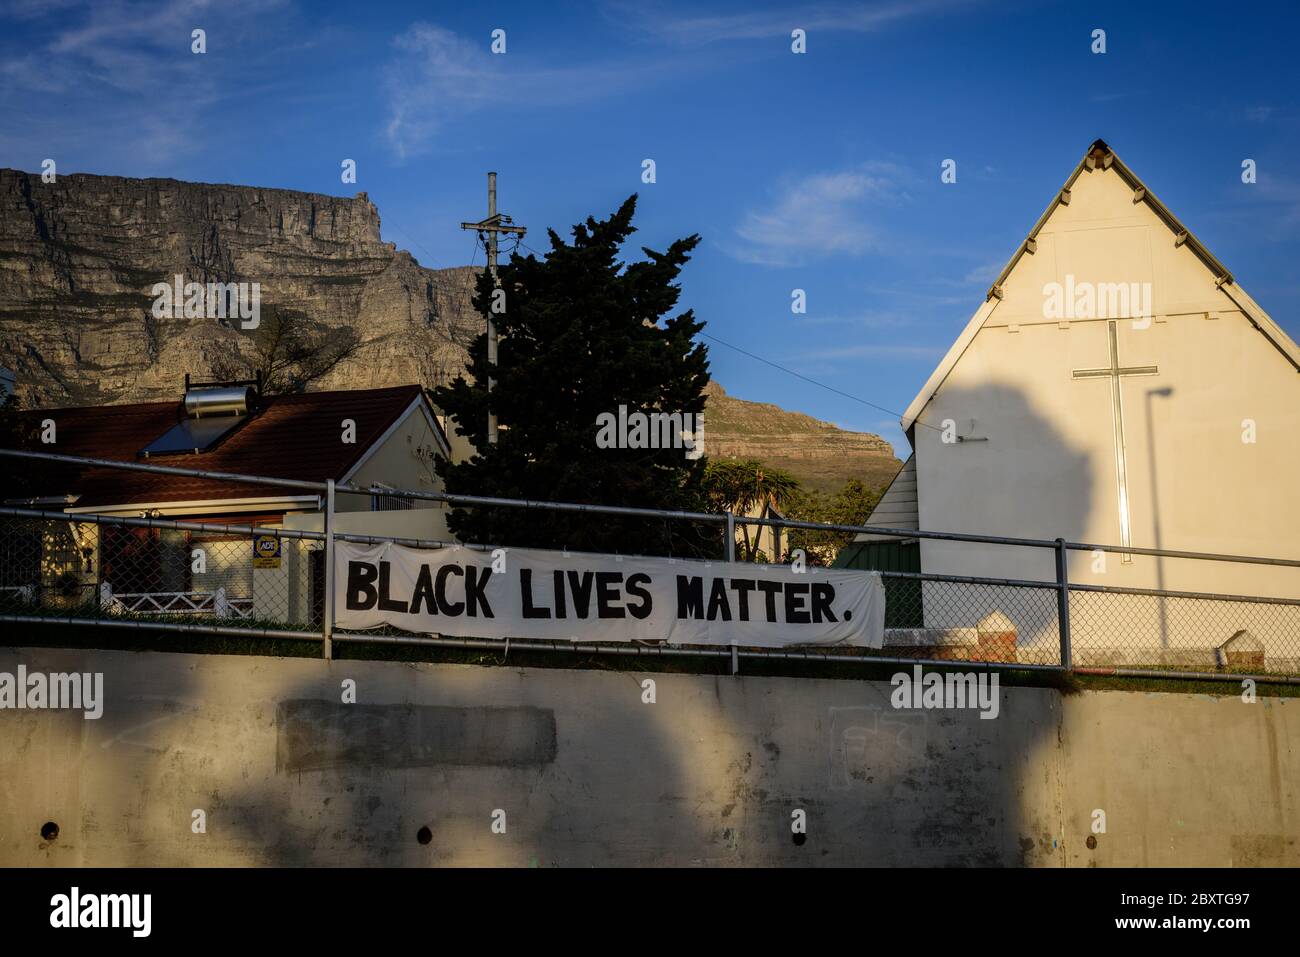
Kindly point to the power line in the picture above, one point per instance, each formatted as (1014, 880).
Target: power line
(403, 233)
(823, 385)
(774, 365)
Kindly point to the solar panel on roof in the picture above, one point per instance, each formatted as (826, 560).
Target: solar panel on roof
(212, 412)
(193, 435)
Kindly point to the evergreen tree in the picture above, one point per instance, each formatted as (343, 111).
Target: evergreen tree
(581, 333)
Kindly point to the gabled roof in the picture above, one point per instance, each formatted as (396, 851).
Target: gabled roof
(1100, 156)
(290, 437)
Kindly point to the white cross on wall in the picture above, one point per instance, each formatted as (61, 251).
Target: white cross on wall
(1113, 372)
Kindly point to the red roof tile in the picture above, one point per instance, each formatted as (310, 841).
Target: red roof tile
(291, 437)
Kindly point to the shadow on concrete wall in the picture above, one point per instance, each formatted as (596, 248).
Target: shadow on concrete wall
(398, 780)
(708, 775)
(585, 771)
(111, 784)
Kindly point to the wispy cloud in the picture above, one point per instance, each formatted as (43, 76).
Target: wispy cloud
(691, 29)
(129, 46)
(99, 69)
(822, 213)
(437, 76)
(984, 273)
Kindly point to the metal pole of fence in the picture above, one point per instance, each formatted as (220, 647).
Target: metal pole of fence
(1063, 603)
(712, 517)
(729, 554)
(327, 604)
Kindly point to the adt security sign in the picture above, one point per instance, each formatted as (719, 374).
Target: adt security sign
(266, 551)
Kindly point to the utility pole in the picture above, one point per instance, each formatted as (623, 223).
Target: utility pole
(488, 230)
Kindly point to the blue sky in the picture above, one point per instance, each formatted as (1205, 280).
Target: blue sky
(817, 171)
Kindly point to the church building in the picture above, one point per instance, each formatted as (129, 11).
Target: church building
(1117, 387)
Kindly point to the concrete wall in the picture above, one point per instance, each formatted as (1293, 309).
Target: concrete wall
(588, 774)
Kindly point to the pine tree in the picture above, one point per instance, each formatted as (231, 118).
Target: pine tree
(581, 333)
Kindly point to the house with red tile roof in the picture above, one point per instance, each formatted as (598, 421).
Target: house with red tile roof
(376, 439)
(385, 437)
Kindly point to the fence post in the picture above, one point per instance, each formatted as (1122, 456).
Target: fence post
(1063, 603)
(327, 605)
(729, 554)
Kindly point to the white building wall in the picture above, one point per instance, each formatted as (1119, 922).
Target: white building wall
(402, 461)
(1047, 467)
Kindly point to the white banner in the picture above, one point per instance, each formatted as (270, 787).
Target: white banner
(526, 593)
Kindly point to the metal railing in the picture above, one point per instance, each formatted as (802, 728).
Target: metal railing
(272, 580)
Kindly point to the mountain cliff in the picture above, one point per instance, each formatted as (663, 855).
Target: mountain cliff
(79, 258)
(819, 454)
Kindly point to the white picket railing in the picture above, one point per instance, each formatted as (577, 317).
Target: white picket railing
(174, 603)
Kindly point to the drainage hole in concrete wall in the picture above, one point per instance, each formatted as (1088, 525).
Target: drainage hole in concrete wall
(49, 831)
(799, 839)
(424, 835)
(1091, 842)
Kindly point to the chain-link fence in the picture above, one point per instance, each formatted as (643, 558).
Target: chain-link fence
(1161, 631)
(1053, 605)
(949, 618)
(156, 570)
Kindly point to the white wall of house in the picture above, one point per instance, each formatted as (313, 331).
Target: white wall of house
(400, 460)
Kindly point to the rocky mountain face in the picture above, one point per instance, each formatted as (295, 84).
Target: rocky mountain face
(79, 259)
(822, 456)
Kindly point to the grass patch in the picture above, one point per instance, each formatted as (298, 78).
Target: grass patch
(58, 635)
